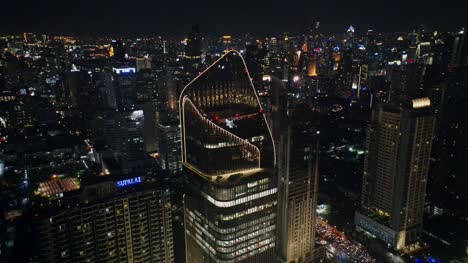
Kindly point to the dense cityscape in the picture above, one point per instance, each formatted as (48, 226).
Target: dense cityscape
(287, 147)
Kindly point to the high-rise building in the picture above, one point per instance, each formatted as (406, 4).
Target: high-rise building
(193, 47)
(398, 149)
(226, 43)
(125, 88)
(193, 51)
(76, 87)
(297, 138)
(228, 157)
(123, 132)
(143, 63)
(360, 73)
(117, 50)
(457, 41)
(168, 144)
(26, 111)
(121, 225)
(407, 82)
(105, 90)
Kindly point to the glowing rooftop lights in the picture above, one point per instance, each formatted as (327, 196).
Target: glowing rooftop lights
(57, 186)
(421, 103)
(183, 98)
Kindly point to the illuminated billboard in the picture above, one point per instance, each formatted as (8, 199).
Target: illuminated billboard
(129, 181)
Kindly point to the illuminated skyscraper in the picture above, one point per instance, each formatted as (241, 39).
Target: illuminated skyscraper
(398, 148)
(227, 42)
(297, 139)
(228, 158)
(120, 221)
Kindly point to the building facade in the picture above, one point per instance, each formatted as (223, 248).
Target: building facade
(398, 148)
(228, 157)
(134, 227)
(297, 138)
(125, 88)
(298, 188)
(124, 135)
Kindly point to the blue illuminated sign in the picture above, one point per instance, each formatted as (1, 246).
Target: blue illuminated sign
(124, 70)
(427, 260)
(130, 181)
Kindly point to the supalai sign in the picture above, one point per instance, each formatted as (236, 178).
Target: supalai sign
(130, 181)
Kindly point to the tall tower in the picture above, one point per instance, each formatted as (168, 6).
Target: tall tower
(297, 138)
(124, 135)
(125, 88)
(193, 51)
(228, 158)
(398, 148)
(193, 47)
(124, 222)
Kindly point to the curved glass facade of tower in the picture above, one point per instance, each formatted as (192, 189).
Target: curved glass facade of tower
(228, 157)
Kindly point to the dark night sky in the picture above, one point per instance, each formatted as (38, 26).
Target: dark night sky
(174, 17)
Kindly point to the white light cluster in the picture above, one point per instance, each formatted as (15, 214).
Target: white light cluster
(240, 200)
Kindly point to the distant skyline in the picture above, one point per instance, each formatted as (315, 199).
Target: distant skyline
(152, 17)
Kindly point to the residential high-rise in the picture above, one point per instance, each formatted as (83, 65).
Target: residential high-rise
(228, 157)
(398, 149)
(122, 225)
(296, 135)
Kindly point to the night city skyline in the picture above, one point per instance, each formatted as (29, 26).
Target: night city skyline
(260, 17)
(249, 131)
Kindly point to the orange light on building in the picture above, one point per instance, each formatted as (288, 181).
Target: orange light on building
(227, 39)
(312, 68)
(337, 57)
(421, 103)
